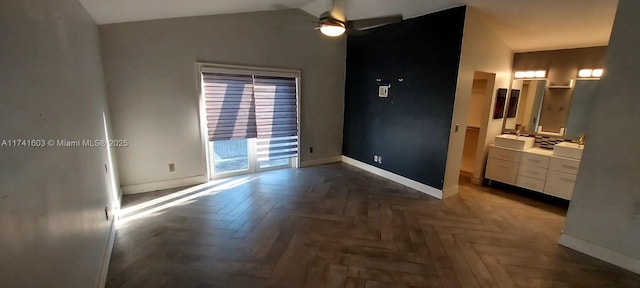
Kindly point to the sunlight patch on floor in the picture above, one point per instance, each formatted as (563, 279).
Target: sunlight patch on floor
(156, 206)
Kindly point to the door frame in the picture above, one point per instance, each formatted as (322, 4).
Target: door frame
(243, 70)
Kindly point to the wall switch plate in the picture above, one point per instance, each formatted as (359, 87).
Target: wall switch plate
(172, 167)
(380, 159)
(383, 91)
(375, 158)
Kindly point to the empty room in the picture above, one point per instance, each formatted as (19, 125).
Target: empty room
(319, 143)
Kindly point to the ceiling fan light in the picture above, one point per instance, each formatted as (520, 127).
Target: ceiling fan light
(332, 30)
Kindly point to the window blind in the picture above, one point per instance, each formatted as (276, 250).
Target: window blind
(230, 107)
(276, 117)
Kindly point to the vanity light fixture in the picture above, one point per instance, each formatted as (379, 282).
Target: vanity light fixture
(590, 73)
(597, 73)
(530, 74)
(585, 73)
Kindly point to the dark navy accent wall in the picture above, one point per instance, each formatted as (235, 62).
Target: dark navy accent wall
(410, 128)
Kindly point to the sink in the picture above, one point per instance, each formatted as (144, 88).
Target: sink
(514, 142)
(569, 150)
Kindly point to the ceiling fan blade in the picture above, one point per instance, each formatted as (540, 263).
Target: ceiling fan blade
(367, 23)
(356, 32)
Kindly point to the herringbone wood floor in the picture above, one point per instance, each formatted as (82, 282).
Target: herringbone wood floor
(337, 226)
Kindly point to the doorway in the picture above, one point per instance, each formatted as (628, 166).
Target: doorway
(249, 119)
(478, 125)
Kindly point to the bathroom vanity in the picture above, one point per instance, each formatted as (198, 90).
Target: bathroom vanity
(541, 170)
(548, 105)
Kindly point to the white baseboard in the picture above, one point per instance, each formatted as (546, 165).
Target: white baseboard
(147, 187)
(315, 162)
(450, 191)
(106, 258)
(437, 193)
(476, 180)
(600, 252)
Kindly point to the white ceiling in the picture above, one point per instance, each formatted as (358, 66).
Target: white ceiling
(524, 25)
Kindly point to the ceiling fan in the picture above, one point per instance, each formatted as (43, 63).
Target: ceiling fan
(334, 22)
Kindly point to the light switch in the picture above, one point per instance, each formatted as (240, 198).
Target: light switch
(383, 91)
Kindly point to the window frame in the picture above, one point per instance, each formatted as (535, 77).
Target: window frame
(242, 70)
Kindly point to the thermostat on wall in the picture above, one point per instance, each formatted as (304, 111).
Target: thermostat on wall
(383, 91)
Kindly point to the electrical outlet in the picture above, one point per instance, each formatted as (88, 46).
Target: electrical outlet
(311, 150)
(106, 213)
(380, 159)
(375, 158)
(172, 167)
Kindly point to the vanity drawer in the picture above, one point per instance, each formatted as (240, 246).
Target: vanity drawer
(535, 160)
(530, 183)
(564, 165)
(560, 184)
(532, 172)
(501, 170)
(504, 154)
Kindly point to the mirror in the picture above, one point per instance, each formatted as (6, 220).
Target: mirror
(524, 105)
(535, 108)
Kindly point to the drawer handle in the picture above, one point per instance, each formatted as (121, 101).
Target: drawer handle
(570, 167)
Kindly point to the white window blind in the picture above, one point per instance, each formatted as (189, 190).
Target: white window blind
(230, 107)
(276, 117)
(246, 106)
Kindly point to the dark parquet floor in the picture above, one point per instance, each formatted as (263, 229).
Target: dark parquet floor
(337, 226)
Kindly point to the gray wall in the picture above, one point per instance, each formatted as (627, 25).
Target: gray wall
(151, 82)
(607, 187)
(52, 222)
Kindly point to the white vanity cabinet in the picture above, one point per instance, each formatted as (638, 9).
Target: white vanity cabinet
(561, 177)
(502, 164)
(534, 169)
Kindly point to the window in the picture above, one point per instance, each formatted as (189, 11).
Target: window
(251, 119)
